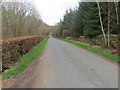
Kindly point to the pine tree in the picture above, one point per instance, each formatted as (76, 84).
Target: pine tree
(91, 21)
(77, 21)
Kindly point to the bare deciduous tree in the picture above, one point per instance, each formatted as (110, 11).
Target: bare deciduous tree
(102, 28)
(21, 19)
(108, 23)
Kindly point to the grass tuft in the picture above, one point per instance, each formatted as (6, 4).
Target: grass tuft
(27, 60)
(98, 50)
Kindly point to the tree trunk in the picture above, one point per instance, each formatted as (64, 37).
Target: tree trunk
(102, 28)
(108, 23)
(116, 8)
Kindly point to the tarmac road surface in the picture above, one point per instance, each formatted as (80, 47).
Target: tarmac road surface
(64, 65)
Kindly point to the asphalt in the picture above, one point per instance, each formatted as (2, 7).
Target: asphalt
(65, 65)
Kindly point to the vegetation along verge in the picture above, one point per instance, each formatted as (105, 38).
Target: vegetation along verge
(94, 49)
(27, 60)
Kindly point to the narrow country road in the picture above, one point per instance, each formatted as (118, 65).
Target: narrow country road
(64, 65)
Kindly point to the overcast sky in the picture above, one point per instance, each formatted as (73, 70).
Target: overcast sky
(52, 11)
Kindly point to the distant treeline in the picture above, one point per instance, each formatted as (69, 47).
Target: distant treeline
(91, 19)
(22, 19)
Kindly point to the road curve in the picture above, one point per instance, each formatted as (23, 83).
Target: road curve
(64, 65)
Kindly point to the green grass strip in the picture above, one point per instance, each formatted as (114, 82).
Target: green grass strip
(27, 60)
(98, 50)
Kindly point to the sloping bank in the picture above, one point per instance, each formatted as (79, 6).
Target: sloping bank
(27, 59)
(97, 50)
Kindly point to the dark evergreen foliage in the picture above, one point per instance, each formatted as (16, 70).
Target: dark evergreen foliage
(84, 21)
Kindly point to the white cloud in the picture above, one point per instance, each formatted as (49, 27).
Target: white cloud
(52, 11)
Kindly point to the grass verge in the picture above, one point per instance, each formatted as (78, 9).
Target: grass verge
(27, 60)
(98, 50)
